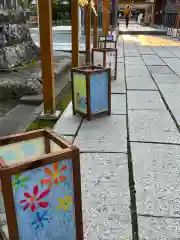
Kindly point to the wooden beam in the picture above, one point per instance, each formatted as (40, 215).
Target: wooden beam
(75, 32)
(106, 15)
(95, 23)
(88, 32)
(46, 52)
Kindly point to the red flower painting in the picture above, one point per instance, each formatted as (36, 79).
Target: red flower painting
(33, 200)
(55, 176)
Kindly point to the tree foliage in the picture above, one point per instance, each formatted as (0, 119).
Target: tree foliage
(59, 9)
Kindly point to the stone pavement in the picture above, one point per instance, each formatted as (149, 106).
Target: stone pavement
(135, 28)
(130, 161)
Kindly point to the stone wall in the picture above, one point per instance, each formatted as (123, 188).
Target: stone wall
(16, 45)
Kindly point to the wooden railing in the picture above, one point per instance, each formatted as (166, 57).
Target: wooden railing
(34, 24)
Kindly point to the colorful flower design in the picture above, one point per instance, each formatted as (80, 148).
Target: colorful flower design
(55, 176)
(64, 203)
(19, 182)
(40, 220)
(33, 200)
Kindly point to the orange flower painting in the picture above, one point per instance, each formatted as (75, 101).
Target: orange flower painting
(54, 177)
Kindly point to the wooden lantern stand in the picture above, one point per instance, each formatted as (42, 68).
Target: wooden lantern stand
(88, 32)
(95, 26)
(107, 40)
(46, 54)
(27, 161)
(105, 17)
(91, 85)
(178, 24)
(45, 25)
(106, 55)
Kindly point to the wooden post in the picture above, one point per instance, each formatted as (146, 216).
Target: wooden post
(114, 13)
(45, 27)
(75, 32)
(178, 19)
(153, 14)
(106, 15)
(95, 19)
(88, 32)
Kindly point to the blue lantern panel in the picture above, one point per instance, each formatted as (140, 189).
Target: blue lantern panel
(99, 92)
(44, 202)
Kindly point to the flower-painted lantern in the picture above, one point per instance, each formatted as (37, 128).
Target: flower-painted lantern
(91, 90)
(41, 188)
(114, 33)
(107, 42)
(105, 57)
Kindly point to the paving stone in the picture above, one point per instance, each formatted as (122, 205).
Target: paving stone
(154, 63)
(159, 70)
(158, 228)
(176, 70)
(145, 50)
(166, 78)
(134, 61)
(171, 61)
(120, 60)
(174, 50)
(156, 174)
(68, 123)
(176, 53)
(105, 196)
(164, 54)
(137, 71)
(118, 104)
(152, 126)
(105, 134)
(150, 57)
(140, 83)
(118, 86)
(138, 100)
(171, 94)
(68, 138)
(120, 68)
(131, 53)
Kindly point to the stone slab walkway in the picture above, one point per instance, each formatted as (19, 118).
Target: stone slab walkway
(130, 161)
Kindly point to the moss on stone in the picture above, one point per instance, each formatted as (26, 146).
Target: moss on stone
(61, 105)
(29, 64)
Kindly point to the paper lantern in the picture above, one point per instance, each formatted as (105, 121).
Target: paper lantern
(41, 187)
(91, 91)
(105, 57)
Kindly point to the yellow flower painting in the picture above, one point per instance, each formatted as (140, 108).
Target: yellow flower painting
(64, 203)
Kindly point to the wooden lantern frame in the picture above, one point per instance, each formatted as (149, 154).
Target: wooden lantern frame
(6, 172)
(105, 50)
(105, 40)
(88, 71)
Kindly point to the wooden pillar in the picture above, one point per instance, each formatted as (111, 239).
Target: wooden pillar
(153, 14)
(158, 7)
(46, 52)
(106, 15)
(75, 32)
(95, 34)
(178, 19)
(114, 13)
(88, 32)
